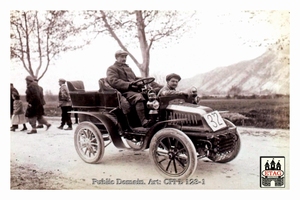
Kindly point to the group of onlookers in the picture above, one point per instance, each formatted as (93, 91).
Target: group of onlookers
(34, 113)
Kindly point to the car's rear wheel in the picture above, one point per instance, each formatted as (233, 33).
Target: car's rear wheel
(89, 142)
(173, 153)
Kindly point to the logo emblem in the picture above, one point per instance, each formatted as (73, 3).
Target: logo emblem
(272, 171)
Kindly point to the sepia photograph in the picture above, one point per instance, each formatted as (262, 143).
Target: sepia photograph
(150, 99)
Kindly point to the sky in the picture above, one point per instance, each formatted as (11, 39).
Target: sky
(219, 40)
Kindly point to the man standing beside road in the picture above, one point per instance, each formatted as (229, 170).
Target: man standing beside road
(65, 104)
(35, 109)
(42, 98)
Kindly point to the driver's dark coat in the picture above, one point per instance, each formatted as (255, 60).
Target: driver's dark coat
(119, 76)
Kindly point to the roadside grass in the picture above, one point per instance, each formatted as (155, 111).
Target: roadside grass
(51, 109)
(262, 113)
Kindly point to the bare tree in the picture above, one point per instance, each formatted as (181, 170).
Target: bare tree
(278, 21)
(38, 37)
(144, 28)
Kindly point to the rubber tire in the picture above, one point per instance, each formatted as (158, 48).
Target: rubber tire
(185, 141)
(99, 139)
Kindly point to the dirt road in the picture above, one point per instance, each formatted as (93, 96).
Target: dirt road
(48, 160)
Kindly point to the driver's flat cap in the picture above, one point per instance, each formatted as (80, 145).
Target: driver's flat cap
(121, 52)
(173, 75)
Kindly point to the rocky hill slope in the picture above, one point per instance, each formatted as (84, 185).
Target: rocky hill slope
(266, 74)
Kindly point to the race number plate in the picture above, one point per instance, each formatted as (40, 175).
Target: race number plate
(214, 120)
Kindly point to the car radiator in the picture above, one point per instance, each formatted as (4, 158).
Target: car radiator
(189, 119)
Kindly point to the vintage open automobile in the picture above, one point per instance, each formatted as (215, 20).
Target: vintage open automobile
(181, 130)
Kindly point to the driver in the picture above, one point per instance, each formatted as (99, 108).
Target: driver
(120, 76)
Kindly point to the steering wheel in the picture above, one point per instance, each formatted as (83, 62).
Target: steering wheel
(145, 81)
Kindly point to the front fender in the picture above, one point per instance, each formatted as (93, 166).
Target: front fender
(156, 127)
(111, 125)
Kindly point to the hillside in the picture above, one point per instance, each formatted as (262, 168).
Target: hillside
(266, 74)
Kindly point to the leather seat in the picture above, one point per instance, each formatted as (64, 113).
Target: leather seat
(75, 86)
(104, 85)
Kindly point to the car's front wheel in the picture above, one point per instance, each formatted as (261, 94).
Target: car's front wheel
(89, 142)
(173, 153)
